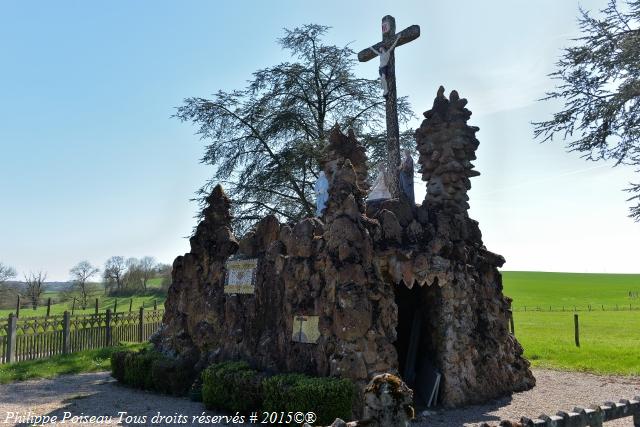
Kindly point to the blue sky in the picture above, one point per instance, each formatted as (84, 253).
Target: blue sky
(92, 164)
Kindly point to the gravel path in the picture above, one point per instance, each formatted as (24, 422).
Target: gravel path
(97, 394)
(555, 391)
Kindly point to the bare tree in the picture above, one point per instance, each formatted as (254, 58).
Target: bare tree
(133, 277)
(164, 272)
(80, 275)
(148, 269)
(113, 273)
(6, 292)
(6, 273)
(34, 287)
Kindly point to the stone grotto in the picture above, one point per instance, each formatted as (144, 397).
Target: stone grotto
(389, 287)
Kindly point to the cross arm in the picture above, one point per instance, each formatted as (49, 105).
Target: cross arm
(404, 36)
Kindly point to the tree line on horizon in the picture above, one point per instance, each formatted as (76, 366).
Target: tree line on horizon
(120, 277)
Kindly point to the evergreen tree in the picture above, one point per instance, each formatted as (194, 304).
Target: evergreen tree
(600, 86)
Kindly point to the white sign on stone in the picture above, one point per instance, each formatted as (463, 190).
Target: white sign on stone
(305, 329)
(241, 276)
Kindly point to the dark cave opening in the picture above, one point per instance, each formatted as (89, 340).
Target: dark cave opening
(413, 341)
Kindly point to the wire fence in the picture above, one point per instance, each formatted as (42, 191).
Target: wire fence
(575, 308)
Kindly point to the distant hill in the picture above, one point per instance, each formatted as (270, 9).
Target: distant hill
(49, 286)
(57, 286)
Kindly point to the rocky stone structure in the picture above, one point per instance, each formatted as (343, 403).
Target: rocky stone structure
(447, 146)
(394, 288)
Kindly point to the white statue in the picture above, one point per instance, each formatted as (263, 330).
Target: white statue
(322, 193)
(385, 56)
(406, 176)
(380, 190)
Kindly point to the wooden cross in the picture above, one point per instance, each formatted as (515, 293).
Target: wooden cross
(391, 40)
(302, 319)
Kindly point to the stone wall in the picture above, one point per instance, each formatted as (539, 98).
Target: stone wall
(354, 269)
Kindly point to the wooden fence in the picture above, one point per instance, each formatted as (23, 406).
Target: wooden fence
(32, 338)
(574, 308)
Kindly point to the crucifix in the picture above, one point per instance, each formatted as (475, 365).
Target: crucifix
(387, 69)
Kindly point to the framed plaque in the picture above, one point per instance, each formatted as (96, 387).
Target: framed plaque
(305, 329)
(241, 276)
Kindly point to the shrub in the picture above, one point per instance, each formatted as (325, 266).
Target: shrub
(276, 390)
(137, 369)
(171, 376)
(150, 370)
(328, 398)
(161, 371)
(117, 364)
(232, 386)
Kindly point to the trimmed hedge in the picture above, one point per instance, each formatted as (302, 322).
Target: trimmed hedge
(232, 386)
(137, 369)
(235, 387)
(172, 377)
(328, 398)
(117, 364)
(150, 370)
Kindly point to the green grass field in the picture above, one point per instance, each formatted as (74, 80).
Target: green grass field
(539, 289)
(609, 340)
(104, 302)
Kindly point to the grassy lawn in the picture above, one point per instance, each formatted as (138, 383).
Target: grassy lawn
(74, 363)
(609, 340)
(533, 289)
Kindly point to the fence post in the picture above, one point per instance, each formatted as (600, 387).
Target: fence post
(577, 329)
(96, 306)
(155, 305)
(115, 305)
(130, 304)
(73, 306)
(107, 329)
(48, 306)
(66, 333)
(18, 307)
(513, 331)
(11, 338)
(141, 325)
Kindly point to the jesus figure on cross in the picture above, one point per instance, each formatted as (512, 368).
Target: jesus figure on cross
(385, 56)
(385, 50)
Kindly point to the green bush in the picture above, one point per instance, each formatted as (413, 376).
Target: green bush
(161, 371)
(328, 398)
(232, 386)
(150, 370)
(171, 376)
(137, 369)
(276, 390)
(117, 364)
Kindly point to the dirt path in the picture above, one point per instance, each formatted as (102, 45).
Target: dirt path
(97, 394)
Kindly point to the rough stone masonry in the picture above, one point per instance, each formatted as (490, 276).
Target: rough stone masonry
(366, 272)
